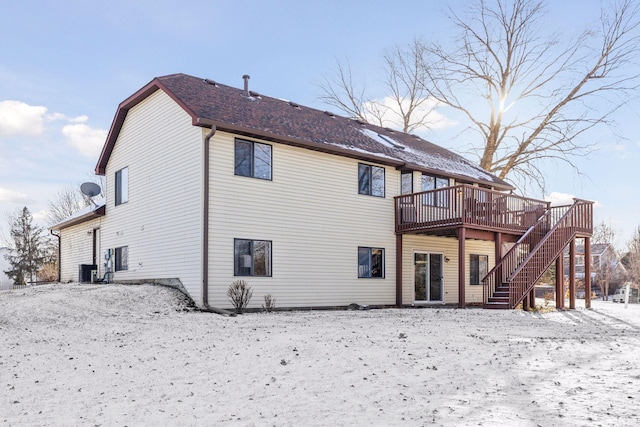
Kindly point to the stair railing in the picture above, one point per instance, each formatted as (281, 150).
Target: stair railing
(578, 217)
(544, 238)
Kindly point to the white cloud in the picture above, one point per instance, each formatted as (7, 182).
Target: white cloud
(560, 199)
(564, 199)
(7, 195)
(18, 118)
(40, 216)
(86, 140)
(393, 118)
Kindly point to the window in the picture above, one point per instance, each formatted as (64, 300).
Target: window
(478, 268)
(122, 186)
(370, 262)
(406, 182)
(122, 258)
(253, 159)
(433, 182)
(370, 180)
(252, 257)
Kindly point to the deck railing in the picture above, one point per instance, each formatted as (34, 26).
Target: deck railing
(523, 265)
(466, 205)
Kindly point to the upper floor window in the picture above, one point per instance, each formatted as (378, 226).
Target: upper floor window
(122, 186)
(406, 182)
(252, 159)
(478, 268)
(252, 257)
(370, 180)
(370, 262)
(434, 182)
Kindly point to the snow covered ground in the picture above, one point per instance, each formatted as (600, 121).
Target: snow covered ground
(137, 355)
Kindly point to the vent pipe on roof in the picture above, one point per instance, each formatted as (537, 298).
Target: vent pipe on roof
(246, 84)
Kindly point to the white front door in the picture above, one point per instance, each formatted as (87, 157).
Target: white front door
(428, 277)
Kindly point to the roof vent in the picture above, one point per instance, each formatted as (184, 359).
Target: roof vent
(246, 84)
(254, 94)
(211, 82)
(294, 105)
(329, 113)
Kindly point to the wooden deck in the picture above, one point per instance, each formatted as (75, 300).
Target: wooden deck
(466, 206)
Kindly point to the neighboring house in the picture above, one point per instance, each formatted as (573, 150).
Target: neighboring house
(207, 184)
(604, 260)
(5, 281)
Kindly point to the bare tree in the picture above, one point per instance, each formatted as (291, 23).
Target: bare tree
(605, 269)
(66, 202)
(632, 257)
(529, 94)
(406, 106)
(539, 93)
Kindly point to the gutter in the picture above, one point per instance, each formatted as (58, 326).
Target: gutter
(205, 223)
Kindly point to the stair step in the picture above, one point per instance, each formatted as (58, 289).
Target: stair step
(504, 300)
(497, 305)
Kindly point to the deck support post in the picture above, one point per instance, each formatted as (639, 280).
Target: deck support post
(572, 274)
(532, 298)
(560, 281)
(587, 272)
(498, 255)
(461, 266)
(399, 270)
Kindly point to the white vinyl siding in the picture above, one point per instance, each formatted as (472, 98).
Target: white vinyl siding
(161, 222)
(76, 247)
(314, 217)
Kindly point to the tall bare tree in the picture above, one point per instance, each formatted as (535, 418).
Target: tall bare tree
(528, 93)
(406, 104)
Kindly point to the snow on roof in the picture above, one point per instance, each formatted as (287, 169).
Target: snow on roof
(85, 213)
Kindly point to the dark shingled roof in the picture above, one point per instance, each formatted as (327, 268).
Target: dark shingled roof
(229, 109)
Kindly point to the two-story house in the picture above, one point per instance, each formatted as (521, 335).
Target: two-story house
(207, 184)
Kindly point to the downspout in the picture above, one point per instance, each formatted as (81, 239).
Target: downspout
(205, 230)
(59, 255)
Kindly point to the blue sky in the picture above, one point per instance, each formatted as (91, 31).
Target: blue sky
(65, 66)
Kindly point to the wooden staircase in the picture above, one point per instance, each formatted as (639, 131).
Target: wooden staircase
(515, 275)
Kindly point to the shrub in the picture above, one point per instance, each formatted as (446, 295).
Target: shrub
(269, 303)
(239, 294)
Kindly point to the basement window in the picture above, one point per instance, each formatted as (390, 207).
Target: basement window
(478, 268)
(122, 258)
(252, 257)
(370, 263)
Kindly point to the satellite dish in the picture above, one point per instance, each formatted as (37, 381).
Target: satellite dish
(90, 189)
